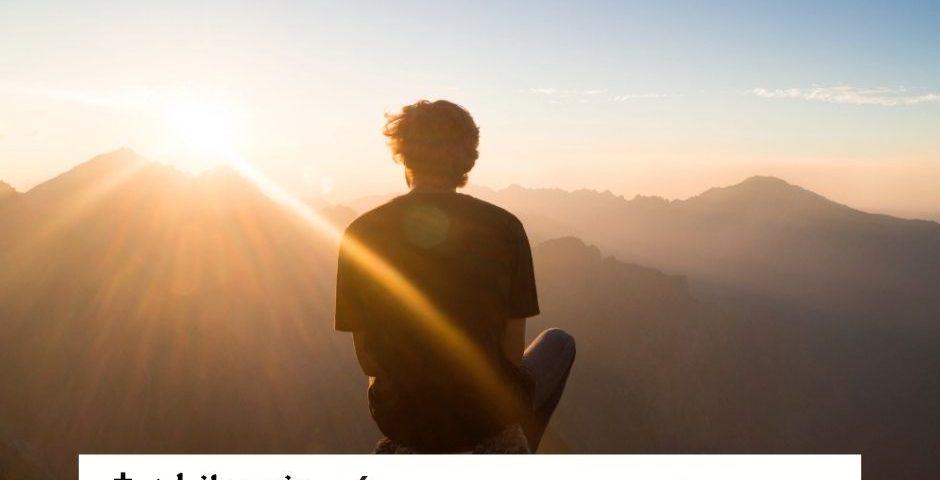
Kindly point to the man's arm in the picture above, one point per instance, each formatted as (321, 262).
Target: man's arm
(367, 362)
(522, 298)
(514, 340)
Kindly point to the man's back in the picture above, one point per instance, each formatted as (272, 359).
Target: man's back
(471, 261)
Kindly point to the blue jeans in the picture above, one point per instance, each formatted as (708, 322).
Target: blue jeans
(547, 361)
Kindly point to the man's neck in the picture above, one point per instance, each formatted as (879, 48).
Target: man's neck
(431, 187)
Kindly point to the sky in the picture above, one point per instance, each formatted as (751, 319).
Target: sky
(656, 98)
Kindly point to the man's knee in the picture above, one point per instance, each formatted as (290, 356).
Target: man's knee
(562, 339)
(558, 335)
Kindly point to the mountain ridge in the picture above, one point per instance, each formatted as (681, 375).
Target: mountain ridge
(780, 189)
(754, 187)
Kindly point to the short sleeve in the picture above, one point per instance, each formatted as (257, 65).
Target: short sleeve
(523, 299)
(349, 316)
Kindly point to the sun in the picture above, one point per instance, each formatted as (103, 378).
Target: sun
(204, 127)
(200, 134)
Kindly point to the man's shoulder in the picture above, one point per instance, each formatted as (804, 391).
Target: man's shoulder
(374, 214)
(462, 202)
(490, 208)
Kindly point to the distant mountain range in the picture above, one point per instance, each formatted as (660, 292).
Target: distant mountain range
(762, 238)
(144, 310)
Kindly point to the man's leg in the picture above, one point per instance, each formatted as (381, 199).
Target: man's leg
(548, 361)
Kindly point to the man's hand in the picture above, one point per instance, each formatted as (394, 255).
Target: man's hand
(514, 340)
(367, 362)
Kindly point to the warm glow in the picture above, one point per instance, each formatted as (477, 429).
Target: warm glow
(201, 134)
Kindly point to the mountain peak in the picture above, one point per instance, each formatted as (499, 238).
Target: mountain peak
(122, 157)
(761, 191)
(116, 162)
(766, 181)
(765, 185)
(6, 190)
(105, 169)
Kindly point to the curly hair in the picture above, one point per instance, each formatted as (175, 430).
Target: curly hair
(435, 140)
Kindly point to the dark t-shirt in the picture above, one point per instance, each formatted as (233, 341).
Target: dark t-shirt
(431, 277)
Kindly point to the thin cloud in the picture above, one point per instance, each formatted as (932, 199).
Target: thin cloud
(560, 95)
(543, 91)
(133, 99)
(128, 99)
(634, 96)
(560, 92)
(852, 95)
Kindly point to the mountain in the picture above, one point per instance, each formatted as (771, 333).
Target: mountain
(6, 191)
(661, 371)
(144, 310)
(762, 195)
(763, 241)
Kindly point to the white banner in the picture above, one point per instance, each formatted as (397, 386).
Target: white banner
(469, 467)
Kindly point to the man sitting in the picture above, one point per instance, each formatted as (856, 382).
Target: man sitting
(436, 286)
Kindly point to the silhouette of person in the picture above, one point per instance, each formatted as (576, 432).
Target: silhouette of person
(436, 286)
